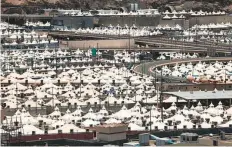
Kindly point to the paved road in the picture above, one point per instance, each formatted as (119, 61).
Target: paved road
(182, 44)
(26, 16)
(147, 67)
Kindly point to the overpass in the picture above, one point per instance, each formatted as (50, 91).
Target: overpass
(148, 67)
(155, 42)
(207, 46)
(138, 39)
(168, 42)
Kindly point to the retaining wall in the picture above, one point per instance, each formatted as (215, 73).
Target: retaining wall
(121, 43)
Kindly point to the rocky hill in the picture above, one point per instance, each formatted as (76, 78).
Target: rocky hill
(110, 4)
(66, 4)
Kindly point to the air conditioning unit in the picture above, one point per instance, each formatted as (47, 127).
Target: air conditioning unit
(194, 126)
(165, 128)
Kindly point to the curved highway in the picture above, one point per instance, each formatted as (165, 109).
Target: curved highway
(148, 67)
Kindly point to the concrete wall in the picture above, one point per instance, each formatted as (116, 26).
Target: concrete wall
(129, 20)
(73, 22)
(90, 21)
(111, 137)
(121, 43)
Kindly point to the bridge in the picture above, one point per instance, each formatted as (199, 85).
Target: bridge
(159, 40)
(147, 68)
(157, 43)
(168, 42)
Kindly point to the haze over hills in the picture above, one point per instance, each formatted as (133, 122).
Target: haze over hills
(110, 4)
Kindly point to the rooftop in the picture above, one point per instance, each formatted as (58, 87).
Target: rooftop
(208, 141)
(111, 125)
(200, 95)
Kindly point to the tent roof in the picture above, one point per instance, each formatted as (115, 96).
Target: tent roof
(200, 95)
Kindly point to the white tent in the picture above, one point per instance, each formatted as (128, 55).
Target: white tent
(134, 127)
(89, 122)
(188, 125)
(27, 130)
(122, 114)
(112, 120)
(227, 124)
(66, 129)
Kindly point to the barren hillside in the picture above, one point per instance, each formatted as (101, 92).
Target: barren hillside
(104, 4)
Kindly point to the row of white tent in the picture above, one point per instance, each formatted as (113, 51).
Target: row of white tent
(139, 12)
(27, 37)
(106, 76)
(114, 31)
(194, 13)
(194, 37)
(110, 13)
(29, 42)
(5, 25)
(212, 26)
(183, 118)
(172, 56)
(15, 31)
(174, 17)
(132, 116)
(213, 71)
(204, 33)
(167, 27)
(89, 76)
(37, 24)
(30, 38)
(19, 59)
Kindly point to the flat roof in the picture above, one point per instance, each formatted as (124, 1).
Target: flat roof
(111, 125)
(201, 95)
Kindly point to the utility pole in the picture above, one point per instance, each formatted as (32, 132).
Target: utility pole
(161, 98)
(129, 43)
(155, 81)
(56, 62)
